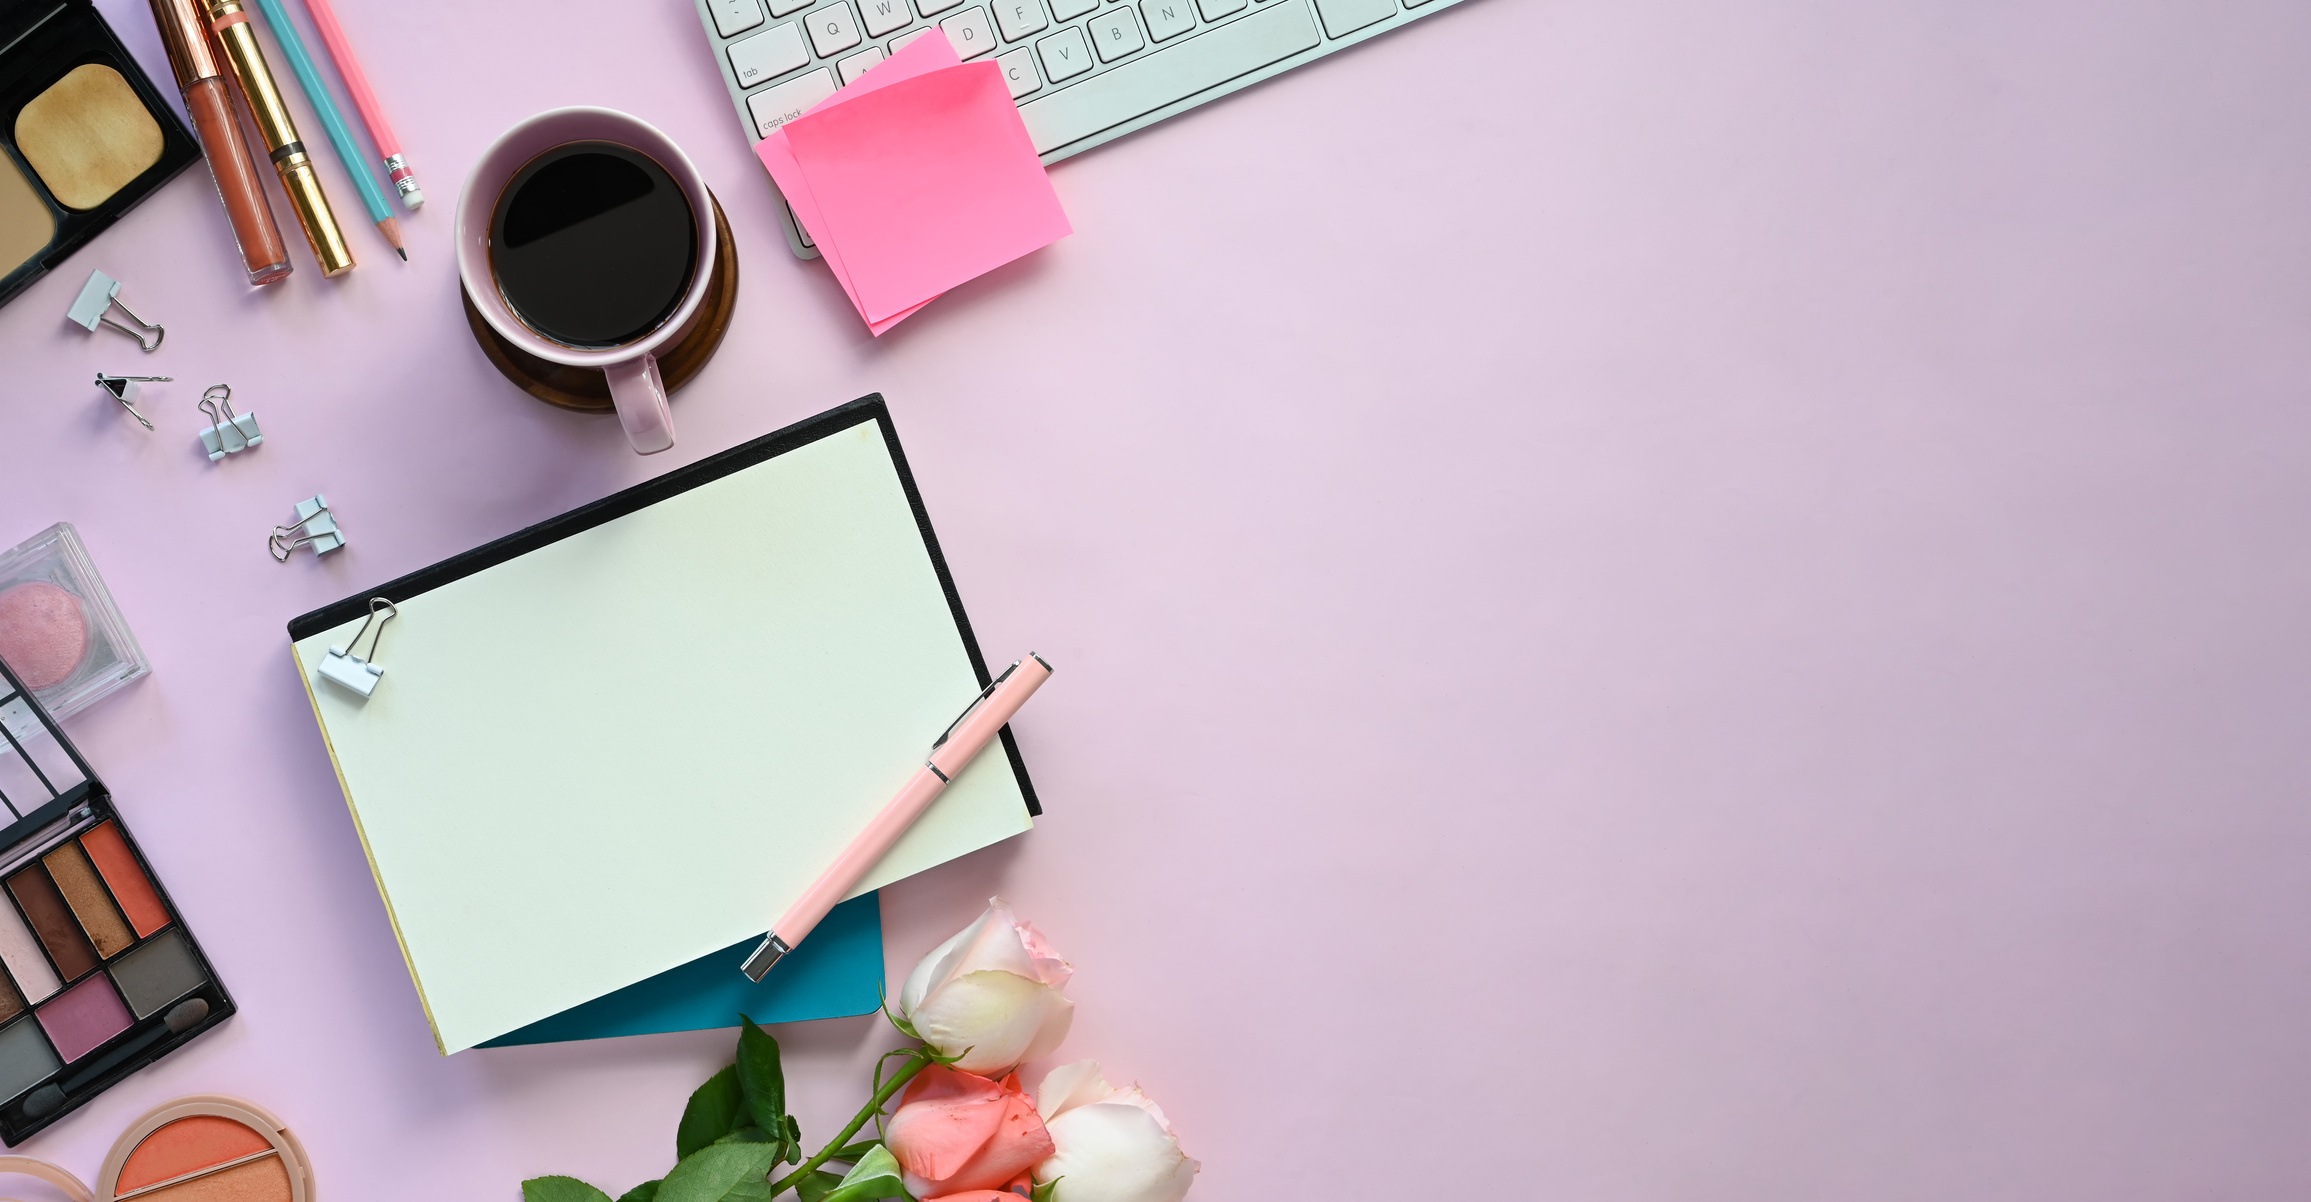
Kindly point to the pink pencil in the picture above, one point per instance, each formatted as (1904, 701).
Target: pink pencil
(372, 113)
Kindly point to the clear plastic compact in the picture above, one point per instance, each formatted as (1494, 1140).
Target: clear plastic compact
(59, 630)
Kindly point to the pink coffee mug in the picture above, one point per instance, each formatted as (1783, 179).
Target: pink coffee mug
(632, 367)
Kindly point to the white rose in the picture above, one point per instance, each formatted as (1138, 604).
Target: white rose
(991, 994)
(1114, 1145)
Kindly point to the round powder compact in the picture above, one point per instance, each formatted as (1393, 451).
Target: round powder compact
(43, 633)
(208, 1148)
(205, 1148)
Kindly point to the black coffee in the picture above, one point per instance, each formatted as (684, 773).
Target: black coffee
(593, 244)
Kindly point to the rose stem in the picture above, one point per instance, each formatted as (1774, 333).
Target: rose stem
(916, 1062)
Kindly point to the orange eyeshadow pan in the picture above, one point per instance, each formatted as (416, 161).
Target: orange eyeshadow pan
(130, 887)
(188, 1145)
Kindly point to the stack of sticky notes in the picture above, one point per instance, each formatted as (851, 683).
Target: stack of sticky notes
(914, 178)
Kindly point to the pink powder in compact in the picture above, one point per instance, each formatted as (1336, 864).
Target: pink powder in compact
(43, 633)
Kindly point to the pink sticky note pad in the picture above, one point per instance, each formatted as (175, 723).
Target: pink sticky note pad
(926, 183)
(925, 54)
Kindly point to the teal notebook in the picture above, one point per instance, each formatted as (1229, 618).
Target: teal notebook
(836, 973)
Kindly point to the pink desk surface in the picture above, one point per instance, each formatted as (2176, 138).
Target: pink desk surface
(1653, 601)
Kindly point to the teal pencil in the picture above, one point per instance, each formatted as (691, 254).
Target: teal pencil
(372, 194)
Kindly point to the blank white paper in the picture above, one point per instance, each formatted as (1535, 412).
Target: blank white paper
(639, 744)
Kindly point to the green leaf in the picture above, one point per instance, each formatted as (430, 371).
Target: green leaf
(722, 1173)
(817, 1186)
(645, 1192)
(876, 1175)
(760, 1076)
(714, 1111)
(560, 1189)
(749, 1134)
(793, 1140)
(1042, 1193)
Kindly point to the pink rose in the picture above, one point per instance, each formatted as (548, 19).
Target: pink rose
(990, 995)
(1110, 1145)
(957, 1135)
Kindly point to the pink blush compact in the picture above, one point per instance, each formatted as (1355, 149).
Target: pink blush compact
(43, 633)
(59, 630)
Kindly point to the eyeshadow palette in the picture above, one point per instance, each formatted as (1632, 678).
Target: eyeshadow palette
(84, 135)
(98, 975)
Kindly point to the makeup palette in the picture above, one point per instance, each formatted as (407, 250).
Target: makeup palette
(84, 135)
(98, 975)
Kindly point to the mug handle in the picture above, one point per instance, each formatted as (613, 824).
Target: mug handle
(641, 400)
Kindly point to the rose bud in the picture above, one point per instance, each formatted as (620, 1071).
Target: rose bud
(990, 995)
(1113, 1145)
(955, 1133)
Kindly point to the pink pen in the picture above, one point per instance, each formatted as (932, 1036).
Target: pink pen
(949, 755)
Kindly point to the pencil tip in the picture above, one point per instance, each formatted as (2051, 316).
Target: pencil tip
(403, 253)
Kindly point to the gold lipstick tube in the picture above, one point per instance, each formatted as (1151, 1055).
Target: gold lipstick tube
(231, 24)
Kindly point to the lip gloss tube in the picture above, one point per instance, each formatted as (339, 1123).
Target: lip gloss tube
(230, 22)
(209, 101)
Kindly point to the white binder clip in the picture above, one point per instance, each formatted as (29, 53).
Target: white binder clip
(124, 390)
(350, 670)
(313, 528)
(227, 434)
(98, 298)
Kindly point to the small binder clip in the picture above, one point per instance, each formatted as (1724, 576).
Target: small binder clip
(98, 298)
(313, 528)
(352, 671)
(124, 390)
(227, 433)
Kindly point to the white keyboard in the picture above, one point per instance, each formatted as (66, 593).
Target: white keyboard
(1082, 71)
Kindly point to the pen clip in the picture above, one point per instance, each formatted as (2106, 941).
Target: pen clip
(976, 702)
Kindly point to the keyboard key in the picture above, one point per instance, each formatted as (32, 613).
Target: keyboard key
(1167, 18)
(805, 234)
(1343, 17)
(1068, 10)
(857, 64)
(777, 105)
(779, 8)
(970, 32)
(1064, 54)
(1215, 9)
(1171, 74)
(931, 7)
(1115, 33)
(768, 55)
(1018, 18)
(734, 17)
(884, 16)
(1019, 71)
(900, 42)
(832, 29)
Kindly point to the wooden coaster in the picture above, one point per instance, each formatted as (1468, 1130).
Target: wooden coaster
(586, 389)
